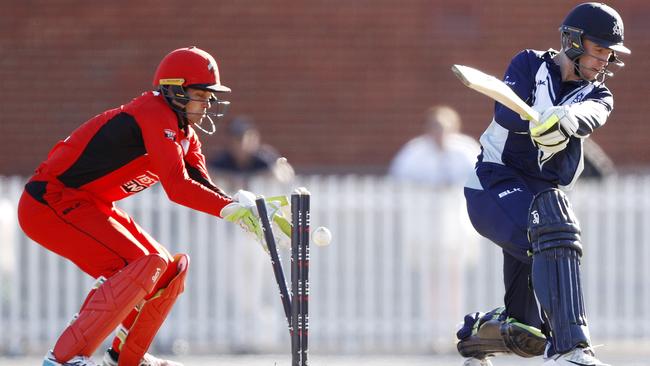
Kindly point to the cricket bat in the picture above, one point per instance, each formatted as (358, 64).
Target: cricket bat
(495, 89)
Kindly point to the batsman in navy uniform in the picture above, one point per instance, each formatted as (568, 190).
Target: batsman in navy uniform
(515, 198)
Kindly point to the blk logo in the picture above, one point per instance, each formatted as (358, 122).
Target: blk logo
(509, 191)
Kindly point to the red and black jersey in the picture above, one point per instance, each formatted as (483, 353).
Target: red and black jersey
(127, 149)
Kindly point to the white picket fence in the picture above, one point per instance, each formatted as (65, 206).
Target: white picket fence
(403, 268)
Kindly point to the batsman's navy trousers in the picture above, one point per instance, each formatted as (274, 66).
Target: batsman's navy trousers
(498, 202)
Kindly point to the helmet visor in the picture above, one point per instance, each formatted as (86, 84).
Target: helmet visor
(217, 88)
(620, 48)
(614, 46)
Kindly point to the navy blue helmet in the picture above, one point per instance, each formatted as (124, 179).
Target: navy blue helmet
(596, 22)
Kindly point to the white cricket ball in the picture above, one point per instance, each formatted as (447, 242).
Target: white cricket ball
(321, 236)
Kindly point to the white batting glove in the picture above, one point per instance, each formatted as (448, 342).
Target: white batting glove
(243, 211)
(556, 127)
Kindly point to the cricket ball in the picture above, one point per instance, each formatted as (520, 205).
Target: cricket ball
(321, 236)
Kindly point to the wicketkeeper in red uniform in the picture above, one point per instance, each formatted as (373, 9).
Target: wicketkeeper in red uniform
(67, 207)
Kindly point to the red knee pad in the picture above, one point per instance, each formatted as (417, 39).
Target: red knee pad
(152, 315)
(108, 305)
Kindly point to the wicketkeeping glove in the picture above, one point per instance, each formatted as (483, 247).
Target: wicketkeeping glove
(243, 211)
(557, 126)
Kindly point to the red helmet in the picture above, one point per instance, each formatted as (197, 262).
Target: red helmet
(194, 68)
(189, 67)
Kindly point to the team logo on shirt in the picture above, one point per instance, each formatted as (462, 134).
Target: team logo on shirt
(140, 183)
(170, 134)
(579, 97)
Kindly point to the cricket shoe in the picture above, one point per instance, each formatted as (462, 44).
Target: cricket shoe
(477, 362)
(576, 357)
(50, 360)
(147, 360)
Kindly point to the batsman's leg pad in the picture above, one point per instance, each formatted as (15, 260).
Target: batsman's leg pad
(491, 334)
(152, 315)
(554, 233)
(552, 223)
(107, 306)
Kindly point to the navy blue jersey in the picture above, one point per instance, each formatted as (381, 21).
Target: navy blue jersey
(536, 79)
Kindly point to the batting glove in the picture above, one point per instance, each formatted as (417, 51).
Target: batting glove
(243, 211)
(552, 135)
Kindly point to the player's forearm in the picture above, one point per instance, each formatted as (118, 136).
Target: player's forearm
(189, 193)
(590, 114)
(202, 178)
(509, 119)
(521, 80)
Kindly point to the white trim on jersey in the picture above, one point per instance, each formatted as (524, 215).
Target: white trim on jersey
(493, 141)
(473, 182)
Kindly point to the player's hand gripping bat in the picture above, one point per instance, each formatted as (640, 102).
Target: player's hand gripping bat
(499, 91)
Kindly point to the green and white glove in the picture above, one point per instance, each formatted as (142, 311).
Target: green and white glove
(557, 126)
(243, 211)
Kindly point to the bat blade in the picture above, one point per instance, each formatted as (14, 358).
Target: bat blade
(495, 89)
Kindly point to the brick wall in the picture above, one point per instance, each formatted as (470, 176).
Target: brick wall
(333, 84)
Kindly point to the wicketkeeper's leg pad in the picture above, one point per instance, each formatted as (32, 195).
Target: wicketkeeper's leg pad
(107, 305)
(554, 233)
(493, 333)
(151, 316)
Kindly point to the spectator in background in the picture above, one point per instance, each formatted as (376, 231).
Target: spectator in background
(441, 156)
(440, 159)
(242, 158)
(244, 154)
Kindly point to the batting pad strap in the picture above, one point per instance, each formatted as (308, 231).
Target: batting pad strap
(152, 315)
(107, 306)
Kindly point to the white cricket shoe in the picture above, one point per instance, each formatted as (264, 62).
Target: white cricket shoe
(477, 362)
(578, 356)
(147, 360)
(50, 360)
